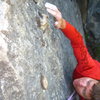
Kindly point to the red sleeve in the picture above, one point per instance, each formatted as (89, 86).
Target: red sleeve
(79, 48)
(86, 66)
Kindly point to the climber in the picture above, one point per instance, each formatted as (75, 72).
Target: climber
(86, 75)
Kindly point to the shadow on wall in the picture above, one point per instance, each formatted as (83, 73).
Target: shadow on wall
(90, 11)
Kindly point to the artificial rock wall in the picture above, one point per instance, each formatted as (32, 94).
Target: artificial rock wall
(36, 60)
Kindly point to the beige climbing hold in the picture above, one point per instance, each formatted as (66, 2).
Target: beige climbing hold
(44, 22)
(44, 82)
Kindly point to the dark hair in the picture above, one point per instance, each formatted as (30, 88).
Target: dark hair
(96, 91)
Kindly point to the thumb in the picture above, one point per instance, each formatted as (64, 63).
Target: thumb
(57, 25)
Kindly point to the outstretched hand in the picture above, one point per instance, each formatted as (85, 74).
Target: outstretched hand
(53, 10)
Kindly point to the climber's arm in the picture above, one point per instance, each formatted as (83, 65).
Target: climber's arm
(79, 48)
(60, 23)
(71, 33)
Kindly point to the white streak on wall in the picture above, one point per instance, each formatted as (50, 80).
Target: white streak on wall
(4, 8)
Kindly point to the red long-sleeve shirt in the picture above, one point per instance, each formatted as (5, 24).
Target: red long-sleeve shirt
(86, 66)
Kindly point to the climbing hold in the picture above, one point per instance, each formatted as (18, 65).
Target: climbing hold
(38, 21)
(44, 82)
(44, 22)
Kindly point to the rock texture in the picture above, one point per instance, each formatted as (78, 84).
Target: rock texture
(36, 60)
(93, 27)
(83, 5)
(90, 11)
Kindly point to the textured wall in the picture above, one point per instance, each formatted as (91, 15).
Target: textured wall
(90, 12)
(36, 60)
(93, 27)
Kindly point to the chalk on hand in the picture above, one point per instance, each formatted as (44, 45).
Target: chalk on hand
(50, 6)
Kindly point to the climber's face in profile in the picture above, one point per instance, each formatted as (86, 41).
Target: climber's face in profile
(84, 86)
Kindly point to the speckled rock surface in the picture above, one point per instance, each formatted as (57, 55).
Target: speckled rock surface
(36, 60)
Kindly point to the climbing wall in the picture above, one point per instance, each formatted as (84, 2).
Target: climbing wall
(36, 59)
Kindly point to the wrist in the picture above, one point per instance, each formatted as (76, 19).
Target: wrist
(63, 24)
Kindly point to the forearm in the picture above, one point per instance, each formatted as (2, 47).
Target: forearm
(79, 47)
(71, 32)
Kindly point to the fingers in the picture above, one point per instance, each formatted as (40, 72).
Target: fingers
(57, 15)
(54, 13)
(51, 6)
(57, 25)
(53, 10)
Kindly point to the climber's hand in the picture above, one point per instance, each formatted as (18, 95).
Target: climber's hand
(53, 10)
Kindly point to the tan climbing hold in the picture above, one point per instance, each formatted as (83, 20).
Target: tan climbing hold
(44, 82)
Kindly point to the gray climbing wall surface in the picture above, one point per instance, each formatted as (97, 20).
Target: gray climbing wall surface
(36, 60)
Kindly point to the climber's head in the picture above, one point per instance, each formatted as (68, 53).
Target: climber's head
(85, 87)
(96, 91)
